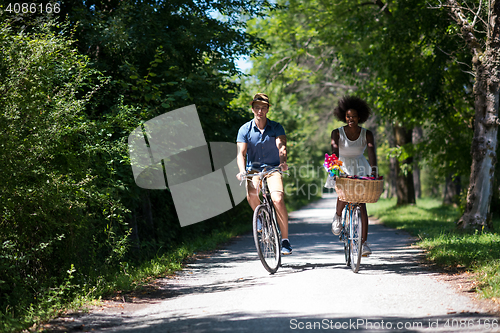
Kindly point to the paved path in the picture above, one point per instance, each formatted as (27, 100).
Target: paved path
(313, 291)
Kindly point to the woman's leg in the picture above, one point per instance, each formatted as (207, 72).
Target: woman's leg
(340, 206)
(364, 221)
(336, 224)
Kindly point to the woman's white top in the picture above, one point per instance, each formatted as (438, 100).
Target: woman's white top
(351, 154)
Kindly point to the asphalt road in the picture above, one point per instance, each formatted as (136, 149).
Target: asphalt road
(314, 290)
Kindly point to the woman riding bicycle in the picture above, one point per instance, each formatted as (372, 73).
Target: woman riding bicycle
(349, 143)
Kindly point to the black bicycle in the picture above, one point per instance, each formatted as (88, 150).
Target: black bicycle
(266, 232)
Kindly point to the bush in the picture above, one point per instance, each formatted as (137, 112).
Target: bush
(56, 215)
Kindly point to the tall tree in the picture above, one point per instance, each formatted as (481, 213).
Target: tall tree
(53, 205)
(162, 55)
(416, 138)
(400, 55)
(68, 194)
(404, 49)
(405, 189)
(479, 26)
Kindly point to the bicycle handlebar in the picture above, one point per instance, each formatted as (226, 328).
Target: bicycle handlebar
(261, 174)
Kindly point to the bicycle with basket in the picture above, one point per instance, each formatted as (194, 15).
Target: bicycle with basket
(355, 191)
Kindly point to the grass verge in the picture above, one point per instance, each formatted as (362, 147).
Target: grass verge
(434, 224)
(130, 278)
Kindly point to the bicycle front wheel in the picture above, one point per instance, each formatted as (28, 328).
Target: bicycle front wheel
(356, 232)
(345, 235)
(266, 239)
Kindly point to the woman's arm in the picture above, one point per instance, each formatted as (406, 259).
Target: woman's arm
(335, 142)
(372, 155)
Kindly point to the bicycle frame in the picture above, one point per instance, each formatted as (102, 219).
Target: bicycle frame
(268, 237)
(263, 191)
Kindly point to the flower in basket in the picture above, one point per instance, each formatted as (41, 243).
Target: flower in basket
(366, 177)
(332, 165)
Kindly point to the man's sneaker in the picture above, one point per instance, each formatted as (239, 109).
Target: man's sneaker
(336, 225)
(286, 248)
(259, 225)
(366, 250)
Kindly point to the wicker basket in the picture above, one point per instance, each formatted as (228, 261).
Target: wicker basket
(359, 190)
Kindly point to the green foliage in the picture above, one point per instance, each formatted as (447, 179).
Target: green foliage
(69, 200)
(403, 57)
(415, 73)
(56, 211)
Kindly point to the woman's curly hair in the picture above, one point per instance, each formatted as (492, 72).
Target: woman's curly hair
(347, 103)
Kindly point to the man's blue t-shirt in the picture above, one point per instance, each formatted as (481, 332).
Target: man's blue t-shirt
(261, 148)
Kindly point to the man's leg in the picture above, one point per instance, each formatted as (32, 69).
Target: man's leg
(281, 212)
(252, 194)
(275, 184)
(282, 216)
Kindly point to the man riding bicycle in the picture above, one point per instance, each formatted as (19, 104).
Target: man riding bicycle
(262, 143)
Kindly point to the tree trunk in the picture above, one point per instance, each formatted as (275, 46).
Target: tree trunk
(404, 179)
(134, 237)
(417, 136)
(486, 90)
(148, 212)
(452, 190)
(391, 179)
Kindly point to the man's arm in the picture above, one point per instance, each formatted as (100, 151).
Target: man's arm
(241, 157)
(281, 144)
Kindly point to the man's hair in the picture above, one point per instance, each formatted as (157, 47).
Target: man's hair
(260, 97)
(347, 103)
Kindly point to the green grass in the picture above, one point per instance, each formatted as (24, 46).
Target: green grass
(477, 252)
(173, 261)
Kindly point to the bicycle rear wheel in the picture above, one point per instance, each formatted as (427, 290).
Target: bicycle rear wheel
(267, 239)
(356, 232)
